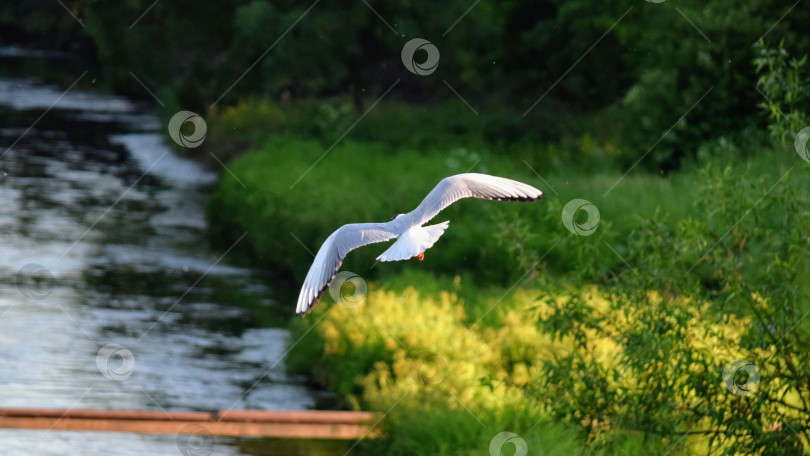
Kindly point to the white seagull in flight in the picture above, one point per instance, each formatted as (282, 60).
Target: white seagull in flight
(413, 238)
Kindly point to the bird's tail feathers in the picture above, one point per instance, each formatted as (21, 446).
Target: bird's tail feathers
(413, 242)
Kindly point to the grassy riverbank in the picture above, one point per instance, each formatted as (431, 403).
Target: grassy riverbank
(612, 343)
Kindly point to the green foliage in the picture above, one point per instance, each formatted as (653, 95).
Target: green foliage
(627, 75)
(297, 190)
(636, 363)
(627, 331)
(44, 25)
(785, 84)
(247, 124)
(683, 51)
(729, 287)
(450, 388)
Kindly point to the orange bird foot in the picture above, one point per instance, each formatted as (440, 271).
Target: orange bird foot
(421, 256)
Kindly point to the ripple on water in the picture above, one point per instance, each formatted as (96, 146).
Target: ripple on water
(116, 219)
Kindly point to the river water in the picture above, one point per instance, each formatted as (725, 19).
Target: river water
(110, 296)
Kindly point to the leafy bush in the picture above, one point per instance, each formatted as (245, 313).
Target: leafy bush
(620, 338)
(628, 351)
(729, 286)
(786, 87)
(450, 388)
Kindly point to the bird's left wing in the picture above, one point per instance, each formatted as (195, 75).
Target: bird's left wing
(331, 255)
(471, 185)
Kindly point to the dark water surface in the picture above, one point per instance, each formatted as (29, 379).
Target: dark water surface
(102, 241)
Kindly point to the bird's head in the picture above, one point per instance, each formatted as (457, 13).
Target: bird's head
(396, 217)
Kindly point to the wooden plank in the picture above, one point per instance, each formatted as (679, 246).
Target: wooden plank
(312, 424)
(297, 416)
(106, 414)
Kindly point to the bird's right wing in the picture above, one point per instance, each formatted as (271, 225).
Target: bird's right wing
(471, 185)
(331, 255)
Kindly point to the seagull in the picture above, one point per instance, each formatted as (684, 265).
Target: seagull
(412, 237)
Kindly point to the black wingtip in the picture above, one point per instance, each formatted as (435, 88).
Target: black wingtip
(520, 199)
(320, 293)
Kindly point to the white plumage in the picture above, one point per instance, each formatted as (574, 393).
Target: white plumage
(413, 237)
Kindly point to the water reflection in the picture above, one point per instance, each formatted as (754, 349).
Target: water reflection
(102, 242)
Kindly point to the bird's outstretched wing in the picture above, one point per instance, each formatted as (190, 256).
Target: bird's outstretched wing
(331, 255)
(471, 185)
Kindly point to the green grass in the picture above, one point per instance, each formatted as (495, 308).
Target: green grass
(525, 313)
(286, 200)
(291, 194)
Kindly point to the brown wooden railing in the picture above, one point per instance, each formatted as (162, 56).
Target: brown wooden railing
(309, 424)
